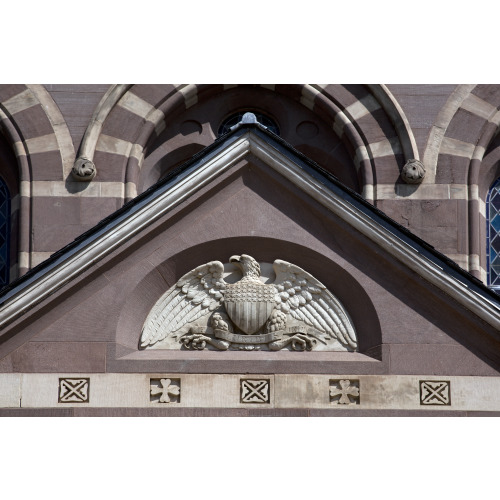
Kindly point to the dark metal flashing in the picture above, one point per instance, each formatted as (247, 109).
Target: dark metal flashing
(312, 168)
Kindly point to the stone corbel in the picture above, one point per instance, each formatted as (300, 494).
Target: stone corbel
(84, 169)
(413, 172)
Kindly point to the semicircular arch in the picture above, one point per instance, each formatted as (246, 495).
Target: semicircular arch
(36, 133)
(366, 120)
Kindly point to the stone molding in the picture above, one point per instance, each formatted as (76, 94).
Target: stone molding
(107, 103)
(395, 112)
(445, 140)
(150, 209)
(399, 249)
(14, 137)
(61, 131)
(438, 130)
(147, 390)
(67, 267)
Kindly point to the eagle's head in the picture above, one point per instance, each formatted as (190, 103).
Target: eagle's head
(248, 265)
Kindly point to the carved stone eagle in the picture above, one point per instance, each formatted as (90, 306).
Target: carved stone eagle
(295, 312)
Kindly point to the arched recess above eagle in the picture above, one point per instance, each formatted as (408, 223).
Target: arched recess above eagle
(246, 305)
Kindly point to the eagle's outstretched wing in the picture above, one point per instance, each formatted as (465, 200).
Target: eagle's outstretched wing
(196, 294)
(306, 299)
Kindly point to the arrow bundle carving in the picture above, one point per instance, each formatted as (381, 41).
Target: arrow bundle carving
(202, 310)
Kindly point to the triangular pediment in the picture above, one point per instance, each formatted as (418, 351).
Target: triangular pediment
(254, 147)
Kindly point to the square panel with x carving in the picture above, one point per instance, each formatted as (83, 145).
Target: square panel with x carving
(435, 392)
(74, 390)
(254, 391)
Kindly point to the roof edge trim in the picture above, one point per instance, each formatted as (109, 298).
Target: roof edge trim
(197, 175)
(65, 268)
(404, 252)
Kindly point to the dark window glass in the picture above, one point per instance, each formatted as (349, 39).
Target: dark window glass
(236, 118)
(4, 233)
(493, 235)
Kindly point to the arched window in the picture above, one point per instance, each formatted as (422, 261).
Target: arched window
(4, 233)
(493, 235)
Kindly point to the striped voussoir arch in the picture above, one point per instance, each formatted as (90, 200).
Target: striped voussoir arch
(367, 119)
(460, 137)
(36, 131)
(373, 128)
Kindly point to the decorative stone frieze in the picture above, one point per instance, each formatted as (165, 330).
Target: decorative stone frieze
(435, 392)
(203, 310)
(413, 172)
(254, 391)
(231, 390)
(344, 392)
(165, 390)
(74, 390)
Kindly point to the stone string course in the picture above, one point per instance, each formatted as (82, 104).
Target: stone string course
(235, 391)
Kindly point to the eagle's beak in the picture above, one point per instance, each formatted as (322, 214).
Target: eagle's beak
(234, 258)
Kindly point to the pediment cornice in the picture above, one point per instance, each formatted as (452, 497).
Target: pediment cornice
(203, 169)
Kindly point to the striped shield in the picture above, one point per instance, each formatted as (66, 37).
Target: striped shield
(249, 304)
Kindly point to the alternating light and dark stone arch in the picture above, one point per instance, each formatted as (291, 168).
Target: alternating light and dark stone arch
(36, 149)
(460, 158)
(365, 134)
(358, 132)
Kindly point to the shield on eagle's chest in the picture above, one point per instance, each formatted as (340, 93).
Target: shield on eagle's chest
(249, 304)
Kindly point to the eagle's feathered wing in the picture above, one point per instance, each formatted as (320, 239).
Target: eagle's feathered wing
(196, 294)
(306, 299)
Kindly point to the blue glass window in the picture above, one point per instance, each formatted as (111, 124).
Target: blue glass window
(4, 233)
(493, 235)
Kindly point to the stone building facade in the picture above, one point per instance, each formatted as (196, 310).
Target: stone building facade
(379, 199)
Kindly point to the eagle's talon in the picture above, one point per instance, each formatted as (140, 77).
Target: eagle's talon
(199, 341)
(301, 342)
(195, 341)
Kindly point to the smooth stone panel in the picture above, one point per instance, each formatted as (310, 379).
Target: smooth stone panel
(296, 391)
(10, 390)
(105, 390)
